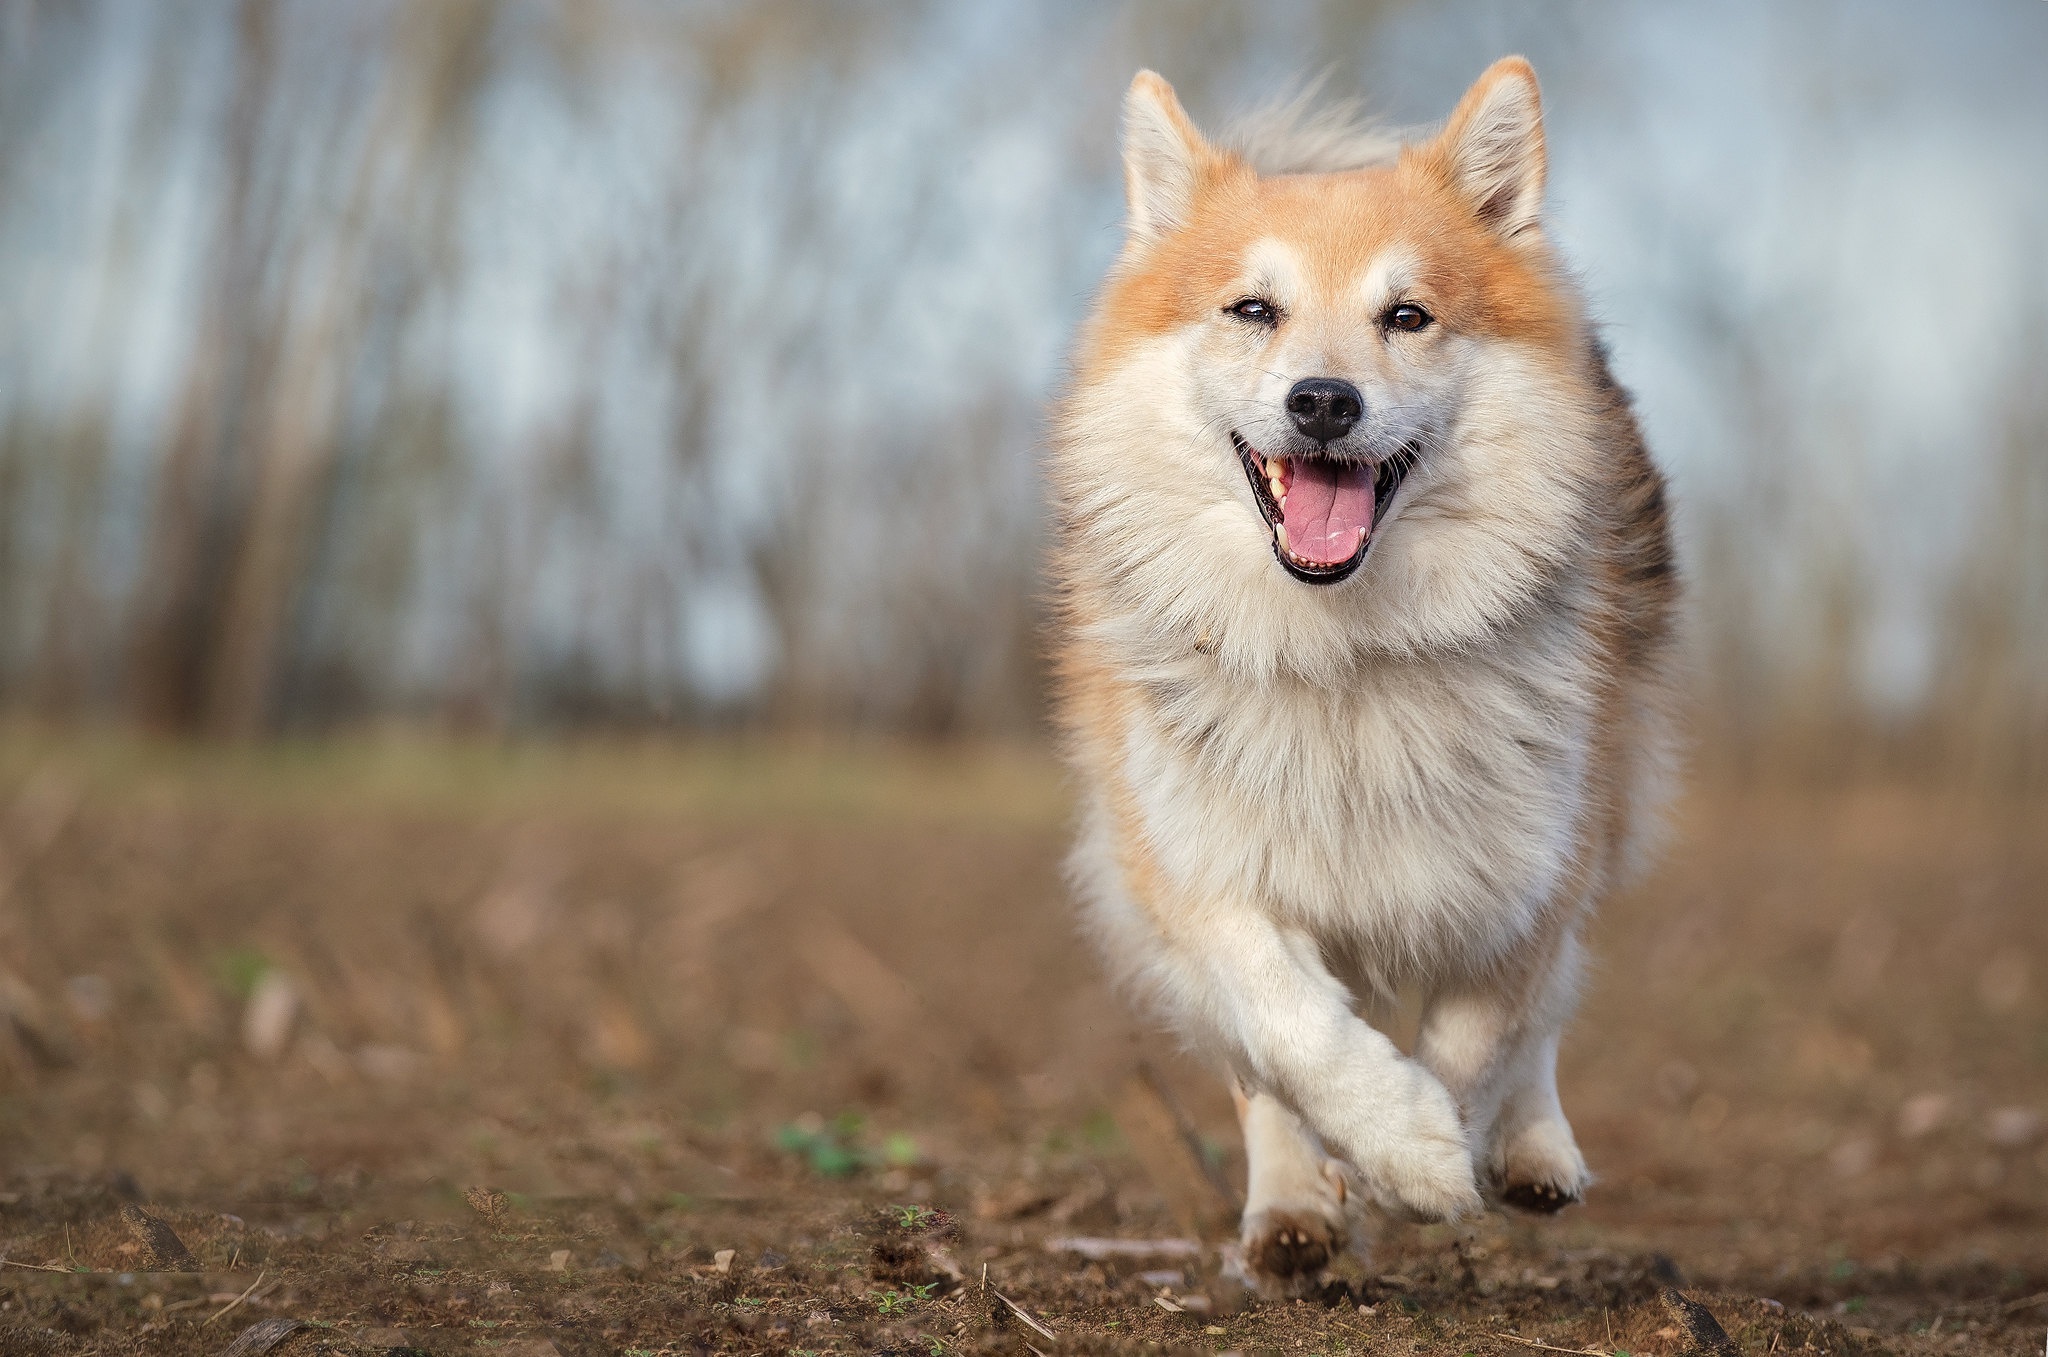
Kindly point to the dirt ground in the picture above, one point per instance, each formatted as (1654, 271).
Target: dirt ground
(793, 1050)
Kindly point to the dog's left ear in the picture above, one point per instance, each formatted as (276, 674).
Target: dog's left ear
(1493, 147)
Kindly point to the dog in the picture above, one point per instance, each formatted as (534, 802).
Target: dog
(1365, 605)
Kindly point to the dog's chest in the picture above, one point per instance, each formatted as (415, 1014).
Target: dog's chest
(1424, 810)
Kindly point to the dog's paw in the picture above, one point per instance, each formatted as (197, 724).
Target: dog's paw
(1540, 1169)
(1428, 1183)
(1423, 1171)
(1286, 1248)
(1541, 1199)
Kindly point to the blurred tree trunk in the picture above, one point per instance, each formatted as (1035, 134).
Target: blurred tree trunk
(419, 134)
(1989, 718)
(195, 518)
(246, 483)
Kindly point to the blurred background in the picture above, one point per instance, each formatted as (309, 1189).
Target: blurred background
(534, 366)
(522, 742)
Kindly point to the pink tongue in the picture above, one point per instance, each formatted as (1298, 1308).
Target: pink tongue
(1327, 504)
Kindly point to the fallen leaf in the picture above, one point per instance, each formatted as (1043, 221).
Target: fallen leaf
(262, 1336)
(1704, 1334)
(162, 1250)
(267, 1021)
(485, 1201)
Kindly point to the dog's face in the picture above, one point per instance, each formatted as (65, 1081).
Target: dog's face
(1356, 376)
(1335, 355)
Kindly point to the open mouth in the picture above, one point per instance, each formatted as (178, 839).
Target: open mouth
(1321, 509)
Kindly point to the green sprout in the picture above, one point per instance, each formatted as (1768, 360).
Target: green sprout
(239, 970)
(834, 1149)
(893, 1302)
(824, 1149)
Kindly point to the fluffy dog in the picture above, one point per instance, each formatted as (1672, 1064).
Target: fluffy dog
(1364, 642)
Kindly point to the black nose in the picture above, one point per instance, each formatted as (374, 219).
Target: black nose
(1324, 408)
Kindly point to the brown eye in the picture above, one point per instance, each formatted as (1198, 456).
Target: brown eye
(1408, 316)
(1255, 309)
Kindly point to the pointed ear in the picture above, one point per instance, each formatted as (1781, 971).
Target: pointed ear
(1164, 158)
(1493, 147)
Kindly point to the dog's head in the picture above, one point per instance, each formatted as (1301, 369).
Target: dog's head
(1351, 400)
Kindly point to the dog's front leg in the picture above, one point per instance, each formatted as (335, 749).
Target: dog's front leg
(1286, 1026)
(1494, 1046)
(1294, 1219)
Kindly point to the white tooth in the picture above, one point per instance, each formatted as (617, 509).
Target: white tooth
(1279, 490)
(1274, 466)
(1280, 535)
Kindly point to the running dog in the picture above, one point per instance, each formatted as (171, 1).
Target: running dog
(1365, 646)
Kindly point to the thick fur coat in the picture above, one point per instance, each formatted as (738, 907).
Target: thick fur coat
(1311, 779)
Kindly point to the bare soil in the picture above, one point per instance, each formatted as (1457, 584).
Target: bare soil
(735, 1049)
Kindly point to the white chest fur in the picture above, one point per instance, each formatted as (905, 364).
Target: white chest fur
(1422, 813)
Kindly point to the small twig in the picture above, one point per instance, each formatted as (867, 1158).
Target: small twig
(1021, 1313)
(238, 1299)
(1547, 1347)
(37, 1267)
(1190, 1136)
(2013, 1307)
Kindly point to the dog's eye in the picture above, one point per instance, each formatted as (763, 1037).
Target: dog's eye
(1408, 316)
(1255, 309)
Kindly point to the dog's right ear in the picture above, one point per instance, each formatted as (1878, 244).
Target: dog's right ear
(1164, 159)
